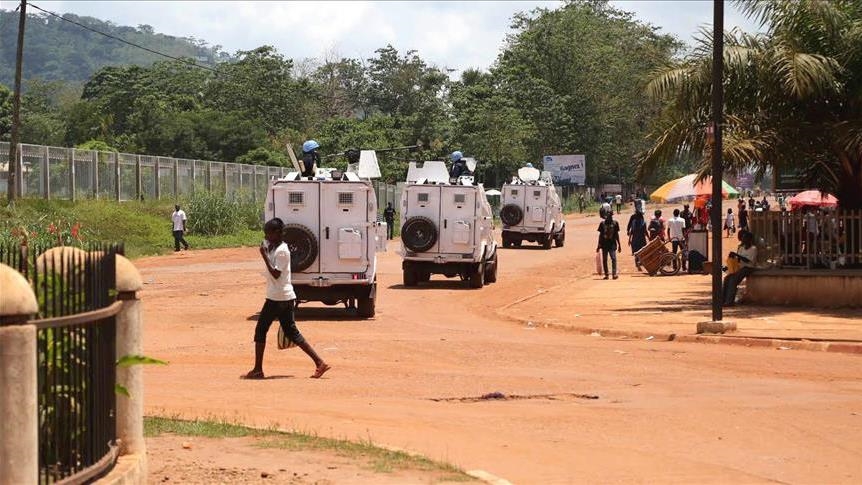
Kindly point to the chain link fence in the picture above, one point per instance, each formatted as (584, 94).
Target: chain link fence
(68, 173)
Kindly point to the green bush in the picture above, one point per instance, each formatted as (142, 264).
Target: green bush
(212, 214)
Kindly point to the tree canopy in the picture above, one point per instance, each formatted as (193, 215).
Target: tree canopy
(793, 97)
(567, 80)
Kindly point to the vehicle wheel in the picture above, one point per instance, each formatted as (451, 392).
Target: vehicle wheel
(506, 241)
(410, 277)
(302, 244)
(491, 271)
(669, 264)
(561, 238)
(477, 277)
(517, 243)
(419, 234)
(511, 215)
(365, 307)
(424, 277)
(546, 242)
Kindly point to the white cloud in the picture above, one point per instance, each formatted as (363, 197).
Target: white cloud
(454, 34)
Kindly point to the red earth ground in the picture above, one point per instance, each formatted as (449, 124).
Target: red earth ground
(595, 409)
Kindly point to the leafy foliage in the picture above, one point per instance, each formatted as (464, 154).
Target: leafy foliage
(793, 98)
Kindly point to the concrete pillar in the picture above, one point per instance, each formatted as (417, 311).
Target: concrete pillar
(130, 410)
(19, 421)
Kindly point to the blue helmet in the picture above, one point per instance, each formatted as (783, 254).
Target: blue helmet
(310, 146)
(529, 165)
(456, 155)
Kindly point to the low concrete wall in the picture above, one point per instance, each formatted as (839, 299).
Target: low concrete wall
(822, 289)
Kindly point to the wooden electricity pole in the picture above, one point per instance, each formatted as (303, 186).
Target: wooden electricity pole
(14, 156)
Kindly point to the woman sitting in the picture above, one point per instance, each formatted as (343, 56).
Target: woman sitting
(746, 256)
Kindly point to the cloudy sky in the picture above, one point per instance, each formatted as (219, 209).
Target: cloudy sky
(449, 34)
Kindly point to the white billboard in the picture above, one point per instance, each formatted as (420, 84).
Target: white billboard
(567, 169)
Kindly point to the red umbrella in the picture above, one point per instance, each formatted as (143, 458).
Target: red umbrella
(812, 198)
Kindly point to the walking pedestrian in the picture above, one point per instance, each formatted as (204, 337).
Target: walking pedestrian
(637, 232)
(656, 226)
(279, 303)
(743, 217)
(609, 243)
(389, 217)
(581, 203)
(619, 201)
(178, 218)
(676, 235)
(729, 223)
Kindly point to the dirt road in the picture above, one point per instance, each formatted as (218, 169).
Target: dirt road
(665, 411)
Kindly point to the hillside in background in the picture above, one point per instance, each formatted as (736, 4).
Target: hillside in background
(58, 50)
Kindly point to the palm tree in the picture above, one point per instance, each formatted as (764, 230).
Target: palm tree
(793, 97)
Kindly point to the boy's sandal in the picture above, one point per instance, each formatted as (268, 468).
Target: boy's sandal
(253, 374)
(318, 373)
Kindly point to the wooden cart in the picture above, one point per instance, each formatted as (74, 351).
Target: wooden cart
(656, 258)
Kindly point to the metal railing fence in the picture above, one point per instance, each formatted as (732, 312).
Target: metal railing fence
(830, 239)
(69, 173)
(76, 357)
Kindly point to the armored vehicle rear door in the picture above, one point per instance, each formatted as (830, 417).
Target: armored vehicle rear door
(299, 203)
(458, 219)
(424, 201)
(344, 227)
(515, 194)
(537, 204)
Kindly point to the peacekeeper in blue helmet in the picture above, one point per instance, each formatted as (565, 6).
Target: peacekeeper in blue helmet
(459, 165)
(310, 157)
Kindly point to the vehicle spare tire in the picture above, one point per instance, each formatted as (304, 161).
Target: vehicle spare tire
(419, 234)
(511, 215)
(302, 244)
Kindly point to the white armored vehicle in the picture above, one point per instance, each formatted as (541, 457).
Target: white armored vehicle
(448, 227)
(532, 210)
(332, 231)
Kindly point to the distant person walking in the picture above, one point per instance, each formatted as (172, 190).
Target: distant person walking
(729, 223)
(389, 217)
(676, 235)
(743, 217)
(619, 201)
(609, 243)
(581, 203)
(178, 218)
(280, 299)
(656, 226)
(637, 232)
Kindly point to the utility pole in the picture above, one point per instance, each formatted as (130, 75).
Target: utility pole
(14, 156)
(717, 165)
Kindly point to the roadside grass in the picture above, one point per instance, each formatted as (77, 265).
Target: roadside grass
(378, 459)
(145, 227)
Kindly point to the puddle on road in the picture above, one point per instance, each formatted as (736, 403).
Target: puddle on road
(499, 396)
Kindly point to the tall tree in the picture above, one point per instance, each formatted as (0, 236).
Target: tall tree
(793, 97)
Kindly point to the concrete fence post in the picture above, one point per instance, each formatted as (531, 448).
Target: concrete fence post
(130, 410)
(19, 421)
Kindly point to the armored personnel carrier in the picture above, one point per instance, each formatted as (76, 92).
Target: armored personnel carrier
(448, 227)
(532, 210)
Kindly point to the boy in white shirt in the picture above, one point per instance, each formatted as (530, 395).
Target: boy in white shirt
(280, 299)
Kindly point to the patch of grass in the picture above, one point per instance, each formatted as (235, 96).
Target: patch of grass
(378, 459)
(145, 227)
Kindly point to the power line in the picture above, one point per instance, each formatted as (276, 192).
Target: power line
(124, 41)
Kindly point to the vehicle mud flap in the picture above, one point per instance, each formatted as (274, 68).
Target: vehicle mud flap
(303, 246)
(511, 215)
(419, 234)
